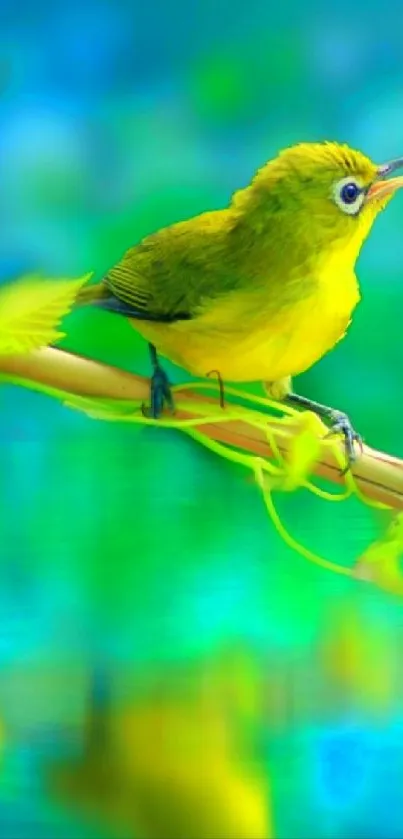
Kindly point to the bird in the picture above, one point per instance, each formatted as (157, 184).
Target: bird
(261, 290)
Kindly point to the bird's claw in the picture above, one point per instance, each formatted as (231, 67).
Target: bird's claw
(160, 395)
(340, 424)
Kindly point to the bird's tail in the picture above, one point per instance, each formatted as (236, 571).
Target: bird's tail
(91, 294)
(101, 296)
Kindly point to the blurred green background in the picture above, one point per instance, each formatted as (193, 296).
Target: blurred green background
(132, 553)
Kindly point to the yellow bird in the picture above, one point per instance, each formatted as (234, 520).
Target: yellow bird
(261, 290)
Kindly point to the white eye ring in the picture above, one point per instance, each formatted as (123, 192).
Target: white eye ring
(349, 204)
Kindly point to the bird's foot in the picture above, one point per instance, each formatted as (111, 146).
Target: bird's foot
(160, 395)
(340, 424)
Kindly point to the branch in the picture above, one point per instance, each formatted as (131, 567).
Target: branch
(378, 475)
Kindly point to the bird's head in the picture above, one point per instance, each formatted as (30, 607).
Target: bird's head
(326, 194)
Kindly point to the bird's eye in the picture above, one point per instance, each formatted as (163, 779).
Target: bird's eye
(349, 196)
(349, 192)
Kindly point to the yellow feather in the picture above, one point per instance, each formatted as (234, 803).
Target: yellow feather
(268, 345)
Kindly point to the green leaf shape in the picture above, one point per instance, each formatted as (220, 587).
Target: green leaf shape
(304, 451)
(380, 562)
(31, 310)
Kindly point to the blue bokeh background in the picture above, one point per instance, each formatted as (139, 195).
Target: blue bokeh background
(133, 548)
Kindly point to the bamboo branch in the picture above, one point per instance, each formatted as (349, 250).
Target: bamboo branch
(378, 475)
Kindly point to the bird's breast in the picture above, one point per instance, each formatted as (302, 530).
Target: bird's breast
(265, 340)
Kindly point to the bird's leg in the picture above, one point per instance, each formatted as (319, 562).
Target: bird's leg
(160, 389)
(339, 424)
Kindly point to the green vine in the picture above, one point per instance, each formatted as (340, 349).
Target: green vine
(270, 475)
(31, 311)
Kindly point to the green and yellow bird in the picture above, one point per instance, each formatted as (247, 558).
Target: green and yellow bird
(261, 290)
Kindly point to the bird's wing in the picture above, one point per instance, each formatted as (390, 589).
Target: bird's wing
(171, 274)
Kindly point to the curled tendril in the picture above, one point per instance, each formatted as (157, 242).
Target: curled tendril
(270, 475)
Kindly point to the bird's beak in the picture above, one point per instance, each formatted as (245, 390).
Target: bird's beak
(382, 188)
